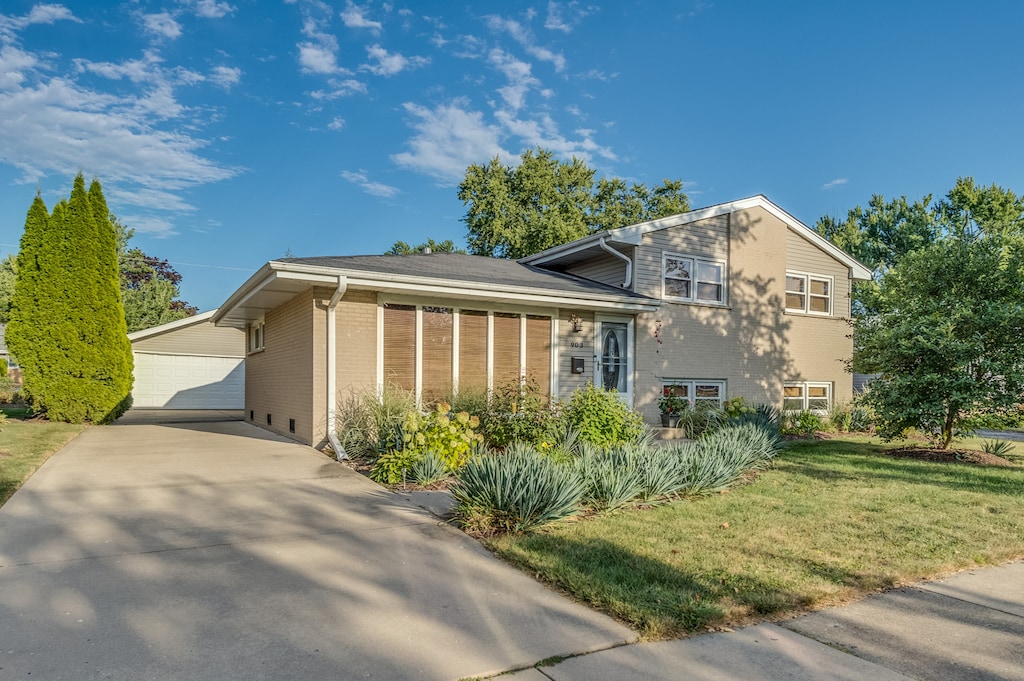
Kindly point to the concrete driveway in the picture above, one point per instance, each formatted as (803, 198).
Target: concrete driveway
(214, 550)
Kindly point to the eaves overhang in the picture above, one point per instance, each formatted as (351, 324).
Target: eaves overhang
(277, 282)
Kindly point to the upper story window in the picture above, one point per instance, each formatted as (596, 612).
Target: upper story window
(809, 293)
(691, 279)
(256, 336)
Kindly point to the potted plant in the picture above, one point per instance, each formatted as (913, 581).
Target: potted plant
(671, 407)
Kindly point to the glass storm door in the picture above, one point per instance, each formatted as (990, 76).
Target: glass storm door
(614, 349)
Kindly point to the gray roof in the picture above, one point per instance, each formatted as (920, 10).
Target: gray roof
(467, 268)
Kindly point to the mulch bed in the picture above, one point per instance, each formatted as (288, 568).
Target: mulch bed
(950, 456)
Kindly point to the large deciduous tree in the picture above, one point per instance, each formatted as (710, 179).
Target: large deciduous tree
(543, 202)
(149, 286)
(67, 325)
(947, 336)
(431, 246)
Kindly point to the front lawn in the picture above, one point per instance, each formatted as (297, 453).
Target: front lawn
(832, 521)
(24, 446)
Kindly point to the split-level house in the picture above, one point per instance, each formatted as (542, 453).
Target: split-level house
(736, 299)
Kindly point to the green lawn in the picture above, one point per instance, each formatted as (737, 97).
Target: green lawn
(24, 446)
(832, 520)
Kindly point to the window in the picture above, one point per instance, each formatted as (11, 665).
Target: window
(808, 293)
(690, 279)
(256, 336)
(695, 391)
(816, 397)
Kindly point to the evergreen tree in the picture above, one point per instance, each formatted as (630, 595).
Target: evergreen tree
(69, 331)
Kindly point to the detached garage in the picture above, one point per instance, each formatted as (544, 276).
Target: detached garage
(189, 364)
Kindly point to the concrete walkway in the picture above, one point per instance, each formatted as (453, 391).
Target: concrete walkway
(967, 627)
(214, 550)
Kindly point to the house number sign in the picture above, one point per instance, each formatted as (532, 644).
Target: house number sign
(576, 344)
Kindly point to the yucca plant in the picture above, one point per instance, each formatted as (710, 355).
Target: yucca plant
(429, 469)
(611, 478)
(660, 470)
(997, 447)
(515, 492)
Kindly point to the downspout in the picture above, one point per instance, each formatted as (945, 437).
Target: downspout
(332, 370)
(629, 262)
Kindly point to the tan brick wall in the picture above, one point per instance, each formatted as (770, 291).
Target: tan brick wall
(752, 343)
(278, 379)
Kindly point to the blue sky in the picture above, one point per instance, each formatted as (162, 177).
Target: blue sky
(229, 132)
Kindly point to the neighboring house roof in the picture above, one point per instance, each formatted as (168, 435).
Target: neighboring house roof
(632, 235)
(171, 326)
(450, 275)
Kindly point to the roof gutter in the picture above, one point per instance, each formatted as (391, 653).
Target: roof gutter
(332, 370)
(629, 262)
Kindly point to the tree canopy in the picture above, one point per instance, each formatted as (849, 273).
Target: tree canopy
(446, 246)
(67, 325)
(149, 286)
(515, 211)
(942, 320)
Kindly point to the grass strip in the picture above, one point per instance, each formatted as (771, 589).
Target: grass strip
(832, 521)
(24, 446)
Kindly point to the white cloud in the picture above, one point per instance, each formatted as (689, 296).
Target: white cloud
(388, 64)
(211, 9)
(14, 64)
(135, 70)
(226, 76)
(566, 17)
(522, 36)
(339, 88)
(336, 123)
(448, 139)
(518, 74)
(354, 16)
(839, 181)
(39, 14)
(159, 227)
(543, 132)
(372, 188)
(162, 24)
(319, 58)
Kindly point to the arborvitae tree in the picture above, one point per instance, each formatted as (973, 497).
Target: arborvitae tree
(70, 333)
(25, 331)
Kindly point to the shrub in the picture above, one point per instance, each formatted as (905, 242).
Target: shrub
(601, 418)
(393, 467)
(736, 407)
(840, 416)
(517, 411)
(805, 423)
(369, 424)
(473, 402)
(515, 492)
(695, 421)
(7, 391)
(862, 419)
(450, 436)
(430, 468)
(660, 470)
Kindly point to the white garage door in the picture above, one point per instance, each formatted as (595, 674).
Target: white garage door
(188, 382)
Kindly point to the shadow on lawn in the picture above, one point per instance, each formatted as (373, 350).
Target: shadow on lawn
(655, 596)
(865, 461)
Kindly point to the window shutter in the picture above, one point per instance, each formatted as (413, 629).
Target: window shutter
(400, 346)
(538, 352)
(472, 351)
(437, 353)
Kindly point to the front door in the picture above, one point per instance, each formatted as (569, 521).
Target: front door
(613, 348)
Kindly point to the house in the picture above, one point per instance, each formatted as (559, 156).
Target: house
(13, 371)
(189, 364)
(737, 299)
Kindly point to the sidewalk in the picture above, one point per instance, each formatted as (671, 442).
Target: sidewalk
(968, 626)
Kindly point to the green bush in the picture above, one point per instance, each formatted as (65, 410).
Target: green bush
(394, 467)
(601, 418)
(473, 402)
(518, 412)
(515, 492)
(719, 458)
(695, 421)
(997, 447)
(805, 423)
(450, 436)
(840, 416)
(862, 419)
(7, 390)
(736, 407)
